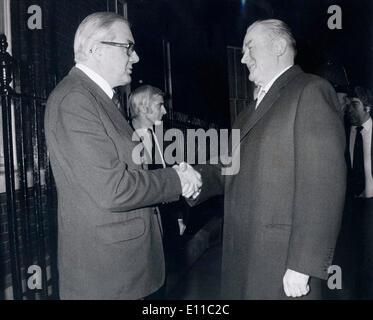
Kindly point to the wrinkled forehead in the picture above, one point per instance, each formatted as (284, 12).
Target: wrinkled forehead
(254, 33)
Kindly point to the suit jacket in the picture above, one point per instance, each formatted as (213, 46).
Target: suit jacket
(283, 209)
(109, 240)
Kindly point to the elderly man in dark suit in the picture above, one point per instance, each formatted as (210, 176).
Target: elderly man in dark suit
(283, 208)
(109, 237)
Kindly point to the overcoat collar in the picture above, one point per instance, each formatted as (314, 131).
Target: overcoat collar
(269, 99)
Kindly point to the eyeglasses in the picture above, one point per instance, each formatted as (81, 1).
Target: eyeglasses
(130, 46)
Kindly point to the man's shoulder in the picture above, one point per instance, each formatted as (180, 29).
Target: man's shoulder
(74, 83)
(309, 79)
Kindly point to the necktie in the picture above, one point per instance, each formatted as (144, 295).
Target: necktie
(116, 101)
(358, 173)
(156, 157)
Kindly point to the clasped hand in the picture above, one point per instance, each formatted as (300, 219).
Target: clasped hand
(295, 283)
(190, 179)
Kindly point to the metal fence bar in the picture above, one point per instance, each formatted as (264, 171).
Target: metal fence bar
(37, 166)
(21, 143)
(5, 90)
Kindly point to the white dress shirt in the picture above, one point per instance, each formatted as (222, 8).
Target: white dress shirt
(366, 134)
(265, 89)
(95, 77)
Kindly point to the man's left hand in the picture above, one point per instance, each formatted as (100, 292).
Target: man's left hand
(295, 283)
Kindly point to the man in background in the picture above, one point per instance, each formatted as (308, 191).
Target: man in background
(358, 249)
(147, 110)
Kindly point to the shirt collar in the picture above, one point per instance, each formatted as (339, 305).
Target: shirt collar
(269, 84)
(95, 77)
(367, 125)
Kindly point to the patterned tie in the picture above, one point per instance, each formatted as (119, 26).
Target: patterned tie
(358, 173)
(116, 101)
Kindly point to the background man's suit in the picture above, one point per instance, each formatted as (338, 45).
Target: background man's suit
(109, 244)
(283, 208)
(355, 244)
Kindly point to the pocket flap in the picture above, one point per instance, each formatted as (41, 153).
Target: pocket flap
(121, 231)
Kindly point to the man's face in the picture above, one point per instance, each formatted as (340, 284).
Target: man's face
(115, 64)
(258, 56)
(156, 109)
(356, 113)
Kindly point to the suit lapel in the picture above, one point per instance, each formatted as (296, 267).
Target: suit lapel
(269, 99)
(117, 117)
(109, 106)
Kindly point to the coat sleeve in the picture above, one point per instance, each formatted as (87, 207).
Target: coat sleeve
(94, 165)
(212, 183)
(320, 180)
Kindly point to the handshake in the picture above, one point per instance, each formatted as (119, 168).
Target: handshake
(190, 179)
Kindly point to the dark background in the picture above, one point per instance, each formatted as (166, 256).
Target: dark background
(199, 32)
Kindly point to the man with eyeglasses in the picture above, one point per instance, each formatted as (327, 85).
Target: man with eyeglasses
(109, 236)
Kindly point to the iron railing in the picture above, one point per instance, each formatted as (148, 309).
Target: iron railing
(30, 227)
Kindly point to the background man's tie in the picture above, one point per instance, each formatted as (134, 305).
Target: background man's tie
(358, 163)
(155, 153)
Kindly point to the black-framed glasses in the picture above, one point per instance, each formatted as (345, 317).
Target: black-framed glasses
(130, 46)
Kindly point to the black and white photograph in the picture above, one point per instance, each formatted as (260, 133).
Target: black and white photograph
(186, 150)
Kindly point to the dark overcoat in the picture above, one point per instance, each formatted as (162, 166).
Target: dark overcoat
(283, 209)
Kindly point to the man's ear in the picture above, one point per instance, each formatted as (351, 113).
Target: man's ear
(95, 50)
(279, 46)
(144, 108)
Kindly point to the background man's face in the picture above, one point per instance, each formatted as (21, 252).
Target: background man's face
(356, 113)
(259, 56)
(115, 63)
(156, 109)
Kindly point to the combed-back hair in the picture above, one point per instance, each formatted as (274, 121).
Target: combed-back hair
(277, 29)
(95, 27)
(142, 97)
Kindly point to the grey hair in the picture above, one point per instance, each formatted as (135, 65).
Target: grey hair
(277, 29)
(142, 96)
(95, 27)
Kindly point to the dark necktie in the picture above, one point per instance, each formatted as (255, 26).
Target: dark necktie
(116, 101)
(358, 173)
(156, 157)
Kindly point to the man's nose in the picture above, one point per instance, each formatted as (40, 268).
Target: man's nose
(245, 56)
(164, 111)
(134, 58)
